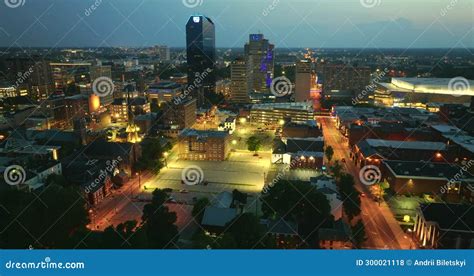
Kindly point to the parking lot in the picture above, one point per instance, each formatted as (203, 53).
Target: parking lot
(241, 171)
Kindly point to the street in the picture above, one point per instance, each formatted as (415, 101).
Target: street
(383, 231)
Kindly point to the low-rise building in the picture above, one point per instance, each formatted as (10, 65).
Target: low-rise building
(228, 125)
(414, 177)
(299, 152)
(444, 226)
(372, 151)
(280, 113)
(164, 91)
(203, 145)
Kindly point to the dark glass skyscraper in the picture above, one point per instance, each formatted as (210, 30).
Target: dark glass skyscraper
(201, 55)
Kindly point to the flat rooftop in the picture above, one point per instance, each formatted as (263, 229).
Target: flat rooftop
(422, 145)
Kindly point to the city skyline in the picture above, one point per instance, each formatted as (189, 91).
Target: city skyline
(321, 24)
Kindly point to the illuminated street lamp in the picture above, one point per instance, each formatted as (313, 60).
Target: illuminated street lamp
(242, 120)
(234, 142)
(281, 122)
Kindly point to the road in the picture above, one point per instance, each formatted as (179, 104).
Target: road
(119, 207)
(383, 231)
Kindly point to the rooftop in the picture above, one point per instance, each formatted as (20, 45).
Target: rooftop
(292, 106)
(450, 217)
(376, 143)
(214, 216)
(203, 133)
(420, 169)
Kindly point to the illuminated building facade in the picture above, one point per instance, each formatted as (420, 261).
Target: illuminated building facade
(239, 75)
(417, 92)
(280, 113)
(201, 145)
(259, 56)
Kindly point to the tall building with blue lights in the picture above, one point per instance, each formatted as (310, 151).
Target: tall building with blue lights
(201, 56)
(259, 53)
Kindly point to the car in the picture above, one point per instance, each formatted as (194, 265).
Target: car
(183, 191)
(363, 195)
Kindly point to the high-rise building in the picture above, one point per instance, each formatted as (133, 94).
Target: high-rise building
(30, 76)
(201, 56)
(303, 80)
(259, 54)
(307, 87)
(239, 87)
(98, 72)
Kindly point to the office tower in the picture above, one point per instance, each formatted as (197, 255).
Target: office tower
(201, 56)
(307, 87)
(239, 87)
(30, 76)
(98, 72)
(71, 77)
(259, 53)
(303, 80)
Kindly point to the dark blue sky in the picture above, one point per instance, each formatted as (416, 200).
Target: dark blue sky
(287, 23)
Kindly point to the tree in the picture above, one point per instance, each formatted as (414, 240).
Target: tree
(329, 152)
(126, 235)
(45, 219)
(300, 202)
(199, 207)
(247, 233)
(336, 169)
(358, 234)
(152, 155)
(159, 222)
(254, 144)
(350, 196)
